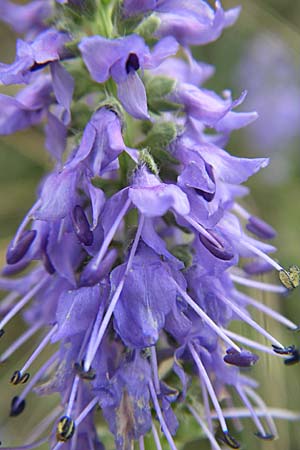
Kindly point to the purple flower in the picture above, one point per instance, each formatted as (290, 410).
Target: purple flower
(45, 48)
(121, 59)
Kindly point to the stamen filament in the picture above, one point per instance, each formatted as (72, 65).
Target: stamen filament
(276, 413)
(270, 312)
(203, 373)
(267, 258)
(72, 395)
(206, 318)
(161, 418)
(37, 376)
(202, 231)
(248, 405)
(39, 349)
(22, 302)
(156, 437)
(202, 424)
(258, 284)
(108, 238)
(20, 341)
(251, 343)
(261, 404)
(155, 370)
(250, 321)
(115, 298)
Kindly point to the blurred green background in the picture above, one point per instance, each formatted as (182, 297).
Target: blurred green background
(274, 193)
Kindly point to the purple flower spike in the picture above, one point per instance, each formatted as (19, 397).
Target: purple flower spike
(81, 226)
(17, 250)
(260, 228)
(244, 358)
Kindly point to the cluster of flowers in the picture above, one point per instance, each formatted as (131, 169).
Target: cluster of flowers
(128, 258)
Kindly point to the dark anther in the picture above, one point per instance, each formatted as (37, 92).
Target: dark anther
(25, 377)
(132, 63)
(294, 359)
(1, 332)
(65, 429)
(16, 407)
(81, 226)
(220, 252)
(265, 437)
(85, 375)
(19, 378)
(16, 377)
(17, 250)
(290, 350)
(229, 440)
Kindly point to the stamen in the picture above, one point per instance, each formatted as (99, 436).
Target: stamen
(257, 284)
(210, 436)
(249, 321)
(17, 406)
(141, 443)
(203, 231)
(38, 376)
(93, 340)
(72, 395)
(218, 330)
(156, 437)
(293, 359)
(261, 404)
(108, 238)
(79, 369)
(270, 312)
(260, 253)
(250, 343)
(243, 413)
(290, 278)
(20, 341)
(203, 373)
(206, 404)
(229, 440)
(65, 429)
(7, 301)
(284, 351)
(160, 417)
(19, 378)
(248, 405)
(22, 302)
(89, 358)
(39, 349)
(154, 366)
